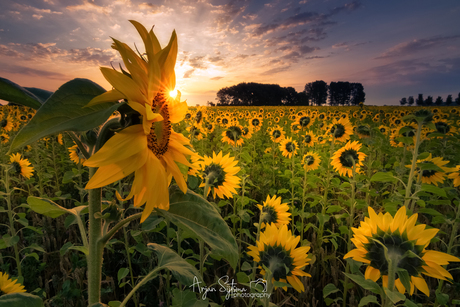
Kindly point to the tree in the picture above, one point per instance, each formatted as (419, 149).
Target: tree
(428, 101)
(403, 101)
(449, 100)
(457, 100)
(410, 100)
(357, 94)
(210, 104)
(438, 101)
(419, 101)
(339, 93)
(317, 91)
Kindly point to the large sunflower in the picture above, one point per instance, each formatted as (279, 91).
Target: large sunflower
(430, 175)
(288, 147)
(273, 211)
(340, 129)
(220, 172)
(21, 166)
(276, 249)
(406, 244)
(276, 133)
(152, 149)
(343, 159)
(6, 124)
(309, 139)
(9, 286)
(311, 161)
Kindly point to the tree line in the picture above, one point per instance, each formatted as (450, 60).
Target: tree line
(429, 101)
(315, 93)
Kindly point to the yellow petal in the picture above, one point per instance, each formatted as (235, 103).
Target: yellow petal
(420, 284)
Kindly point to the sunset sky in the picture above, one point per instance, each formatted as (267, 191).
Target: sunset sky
(394, 48)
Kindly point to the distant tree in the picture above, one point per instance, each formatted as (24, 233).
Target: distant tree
(457, 100)
(419, 101)
(449, 100)
(339, 93)
(428, 101)
(210, 104)
(317, 91)
(357, 94)
(403, 101)
(303, 99)
(438, 101)
(410, 100)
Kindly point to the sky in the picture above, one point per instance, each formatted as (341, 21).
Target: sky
(394, 48)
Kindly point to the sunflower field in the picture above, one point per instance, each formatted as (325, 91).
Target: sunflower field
(131, 198)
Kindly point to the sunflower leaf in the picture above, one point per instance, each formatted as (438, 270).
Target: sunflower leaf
(394, 296)
(46, 207)
(10, 91)
(404, 278)
(64, 111)
(433, 189)
(384, 177)
(368, 299)
(191, 212)
(20, 300)
(365, 283)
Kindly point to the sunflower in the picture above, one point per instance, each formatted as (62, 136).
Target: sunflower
(209, 127)
(152, 149)
(75, 154)
(195, 165)
(8, 286)
(311, 161)
(247, 132)
(60, 139)
(6, 124)
(405, 242)
(340, 129)
(430, 175)
(302, 122)
(343, 159)
(363, 131)
(445, 127)
(276, 249)
(455, 175)
(309, 139)
(4, 138)
(255, 123)
(21, 166)
(393, 139)
(220, 172)
(195, 131)
(288, 147)
(233, 135)
(276, 133)
(273, 211)
(383, 129)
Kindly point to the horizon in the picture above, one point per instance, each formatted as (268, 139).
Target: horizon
(393, 49)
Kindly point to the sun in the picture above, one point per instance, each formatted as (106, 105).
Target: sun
(173, 93)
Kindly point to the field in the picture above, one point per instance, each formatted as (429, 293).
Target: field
(310, 198)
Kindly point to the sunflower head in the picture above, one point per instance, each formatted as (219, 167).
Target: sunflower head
(432, 170)
(276, 249)
(21, 166)
(233, 135)
(348, 157)
(288, 147)
(8, 286)
(273, 211)
(311, 161)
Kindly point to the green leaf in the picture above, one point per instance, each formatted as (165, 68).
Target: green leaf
(329, 289)
(368, 299)
(122, 273)
(409, 303)
(383, 177)
(36, 247)
(64, 111)
(46, 207)
(187, 298)
(365, 283)
(181, 269)
(10, 91)
(41, 94)
(442, 298)
(404, 278)
(8, 241)
(192, 212)
(433, 189)
(20, 300)
(246, 157)
(114, 303)
(394, 296)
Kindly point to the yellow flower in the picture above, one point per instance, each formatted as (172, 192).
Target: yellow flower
(6, 124)
(21, 166)
(288, 147)
(8, 286)
(276, 249)
(309, 139)
(233, 135)
(273, 211)
(341, 129)
(220, 171)
(403, 239)
(276, 133)
(75, 154)
(4, 138)
(311, 161)
(456, 176)
(431, 176)
(343, 159)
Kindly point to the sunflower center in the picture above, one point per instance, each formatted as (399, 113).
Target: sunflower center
(276, 134)
(16, 167)
(409, 133)
(23, 117)
(442, 127)
(233, 133)
(3, 123)
(270, 215)
(209, 126)
(364, 130)
(397, 122)
(224, 121)
(290, 146)
(398, 246)
(383, 130)
(215, 174)
(255, 122)
(160, 132)
(199, 116)
(278, 260)
(426, 172)
(309, 160)
(338, 130)
(348, 157)
(307, 139)
(304, 121)
(194, 131)
(321, 116)
(245, 130)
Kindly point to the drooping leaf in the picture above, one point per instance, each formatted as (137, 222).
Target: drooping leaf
(383, 177)
(192, 212)
(41, 94)
(12, 92)
(368, 299)
(365, 283)
(64, 111)
(46, 207)
(20, 300)
(181, 269)
(394, 296)
(329, 289)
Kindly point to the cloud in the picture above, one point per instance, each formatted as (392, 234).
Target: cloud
(216, 78)
(90, 55)
(347, 7)
(16, 69)
(276, 70)
(226, 15)
(90, 7)
(417, 45)
(188, 73)
(8, 51)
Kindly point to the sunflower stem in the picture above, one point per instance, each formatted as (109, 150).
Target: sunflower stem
(292, 192)
(96, 248)
(392, 267)
(408, 203)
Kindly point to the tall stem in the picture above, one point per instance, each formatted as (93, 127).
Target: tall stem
(11, 219)
(407, 201)
(94, 257)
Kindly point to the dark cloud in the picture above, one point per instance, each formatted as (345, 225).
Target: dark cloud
(417, 45)
(347, 7)
(227, 14)
(21, 70)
